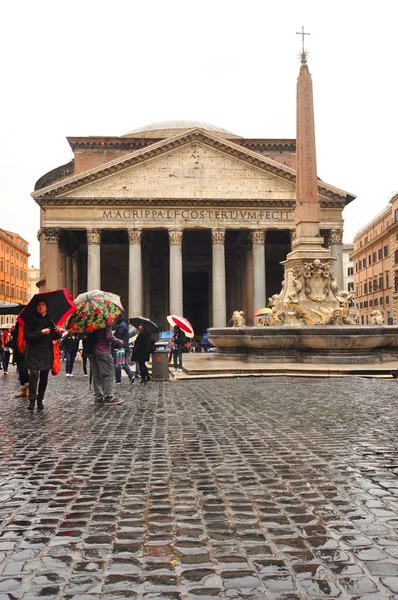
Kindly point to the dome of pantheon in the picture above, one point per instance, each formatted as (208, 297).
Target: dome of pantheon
(165, 129)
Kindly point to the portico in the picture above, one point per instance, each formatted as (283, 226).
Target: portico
(193, 224)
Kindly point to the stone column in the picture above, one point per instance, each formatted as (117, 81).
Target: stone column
(69, 270)
(336, 251)
(62, 266)
(75, 274)
(218, 275)
(135, 273)
(259, 291)
(49, 257)
(176, 298)
(93, 259)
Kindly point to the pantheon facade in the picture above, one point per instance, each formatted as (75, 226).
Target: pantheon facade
(178, 217)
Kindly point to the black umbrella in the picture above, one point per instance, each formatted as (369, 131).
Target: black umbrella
(12, 308)
(59, 304)
(147, 323)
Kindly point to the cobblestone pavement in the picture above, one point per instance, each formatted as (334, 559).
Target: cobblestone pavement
(257, 488)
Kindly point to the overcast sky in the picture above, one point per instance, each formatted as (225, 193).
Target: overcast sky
(90, 67)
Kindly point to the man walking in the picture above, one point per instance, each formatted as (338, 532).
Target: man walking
(102, 365)
(122, 333)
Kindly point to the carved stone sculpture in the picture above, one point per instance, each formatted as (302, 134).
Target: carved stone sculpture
(376, 318)
(238, 318)
(317, 280)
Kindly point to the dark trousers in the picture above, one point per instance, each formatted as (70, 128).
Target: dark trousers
(23, 374)
(143, 371)
(37, 377)
(85, 364)
(5, 359)
(177, 356)
(70, 361)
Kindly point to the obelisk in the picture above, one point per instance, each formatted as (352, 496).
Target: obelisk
(306, 284)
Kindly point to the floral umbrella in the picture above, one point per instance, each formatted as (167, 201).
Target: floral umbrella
(94, 310)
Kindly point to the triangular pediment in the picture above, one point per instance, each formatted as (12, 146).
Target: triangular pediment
(194, 165)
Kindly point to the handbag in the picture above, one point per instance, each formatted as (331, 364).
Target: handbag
(56, 367)
(120, 357)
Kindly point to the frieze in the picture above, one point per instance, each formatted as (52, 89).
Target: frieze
(196, 215)
(218, 236)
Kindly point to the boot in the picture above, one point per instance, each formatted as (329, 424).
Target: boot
(40, 405)
(23, 392)
(31, 404)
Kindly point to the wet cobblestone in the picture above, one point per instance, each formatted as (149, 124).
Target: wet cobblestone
(259, 489)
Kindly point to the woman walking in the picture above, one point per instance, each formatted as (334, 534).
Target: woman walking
(6, 342)
(141, 352)
(39, 335)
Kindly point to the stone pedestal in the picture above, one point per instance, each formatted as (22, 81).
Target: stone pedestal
(176, 297)
(135, 273)
(93, 259)
(218, 278)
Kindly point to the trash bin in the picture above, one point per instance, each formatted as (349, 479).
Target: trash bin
(160, 365)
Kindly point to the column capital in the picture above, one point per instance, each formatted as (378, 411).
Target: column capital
(218, 236)
(134, 236)
(51, 234)
(258, 236)
(336, 236)
(175, 237)
(93, 236)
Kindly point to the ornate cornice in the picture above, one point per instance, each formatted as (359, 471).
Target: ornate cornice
(258, 236)
(93, 236)
(166, 202)
(51, 235)
(175, 237)
(230, 148)
(218, 236)
(134, 236)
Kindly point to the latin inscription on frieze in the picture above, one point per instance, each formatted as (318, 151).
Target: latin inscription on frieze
(189, 214)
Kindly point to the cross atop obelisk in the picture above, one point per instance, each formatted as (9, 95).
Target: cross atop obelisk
(303, 54)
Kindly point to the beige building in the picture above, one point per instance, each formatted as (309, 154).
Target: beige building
(373, 267)
(33, 279)
(177, 217)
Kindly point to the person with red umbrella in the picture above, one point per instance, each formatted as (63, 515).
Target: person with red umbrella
(178, 342)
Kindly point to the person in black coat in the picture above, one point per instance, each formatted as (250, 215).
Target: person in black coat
(122, 333)
(142, 351)
(39, 356)
(70, 344)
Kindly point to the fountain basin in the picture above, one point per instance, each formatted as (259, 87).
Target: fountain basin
(338, 344)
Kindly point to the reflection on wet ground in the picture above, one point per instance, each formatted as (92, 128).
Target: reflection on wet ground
(274, 488)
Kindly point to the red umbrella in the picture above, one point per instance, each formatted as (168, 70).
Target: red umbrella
(183, 323)
(59, 304)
